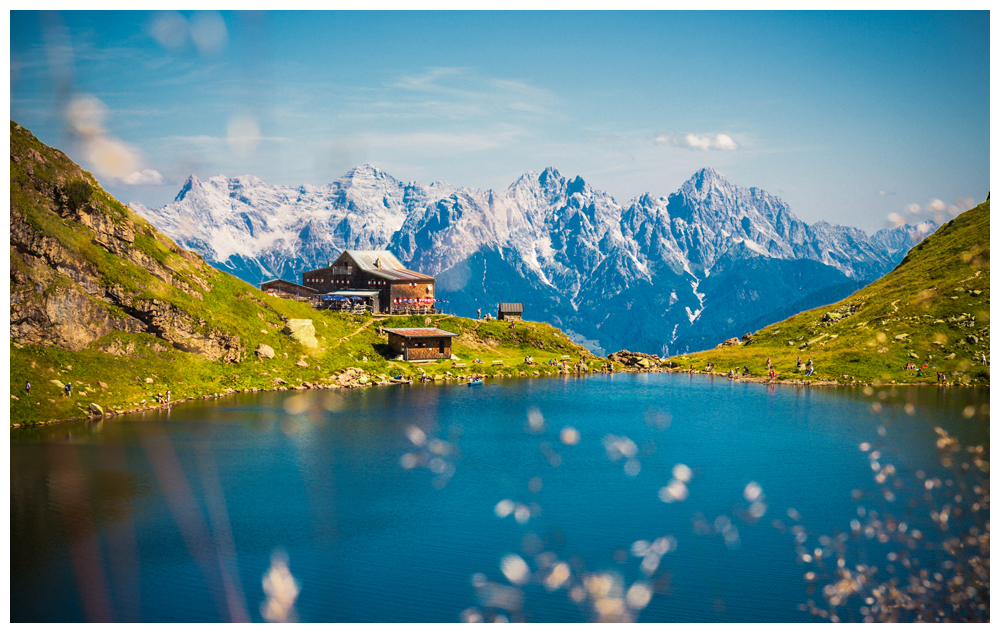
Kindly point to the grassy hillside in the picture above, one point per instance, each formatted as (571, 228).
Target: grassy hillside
(933, 310)
(102, 300)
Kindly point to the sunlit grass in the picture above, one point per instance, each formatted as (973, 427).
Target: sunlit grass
(932, 311)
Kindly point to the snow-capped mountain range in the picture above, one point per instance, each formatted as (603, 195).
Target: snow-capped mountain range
(657, 274)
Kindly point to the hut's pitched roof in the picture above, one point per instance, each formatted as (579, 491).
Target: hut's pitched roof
(419, 332)
(290, 283)
(388, 266)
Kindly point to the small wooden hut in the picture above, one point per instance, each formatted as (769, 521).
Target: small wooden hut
(420, 343)
(510, 311)
(288, 289)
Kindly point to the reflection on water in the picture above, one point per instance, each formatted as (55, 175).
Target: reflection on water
(609, 498)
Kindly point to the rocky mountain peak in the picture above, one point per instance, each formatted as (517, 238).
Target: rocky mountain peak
(550, 174)
(706, 180)
(365, 172)
(192, 182)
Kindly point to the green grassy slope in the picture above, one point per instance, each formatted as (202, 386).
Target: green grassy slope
(137, 304)
(933, 309)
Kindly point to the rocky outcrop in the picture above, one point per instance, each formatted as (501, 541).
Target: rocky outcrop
(84, 267)
(635, 359)
(353, 377)
(264, 351)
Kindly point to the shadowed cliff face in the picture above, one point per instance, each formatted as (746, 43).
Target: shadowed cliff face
(83, 266)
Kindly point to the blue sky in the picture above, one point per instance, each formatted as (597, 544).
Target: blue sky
(850, 117)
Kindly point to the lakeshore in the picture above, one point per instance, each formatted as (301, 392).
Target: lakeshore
(448, 377)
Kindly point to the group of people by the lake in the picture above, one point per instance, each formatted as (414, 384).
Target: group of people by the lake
(736, 372)
(809, 366)
(772, 373)
(920, 369)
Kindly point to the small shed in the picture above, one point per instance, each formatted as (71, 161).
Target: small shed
(420, 343)
(510, 311)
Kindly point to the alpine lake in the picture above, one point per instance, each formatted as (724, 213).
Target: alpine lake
(625, 497)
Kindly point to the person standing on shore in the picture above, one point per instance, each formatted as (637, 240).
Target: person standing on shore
(168, 396)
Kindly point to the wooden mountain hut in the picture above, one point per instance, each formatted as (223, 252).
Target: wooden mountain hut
(420, 343)
(288, 290)
(510, 311)
(399, 290)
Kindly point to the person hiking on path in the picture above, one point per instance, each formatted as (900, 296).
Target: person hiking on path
(798, 363)
(69, 389)
(768, 364)
(27, 388)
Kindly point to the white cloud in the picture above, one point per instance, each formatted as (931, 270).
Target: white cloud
(461, 94)
(692, 140)
(935, 210)
(144, 177)
(923, 229)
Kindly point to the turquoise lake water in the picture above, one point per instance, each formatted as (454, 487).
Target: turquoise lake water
(654, 497)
